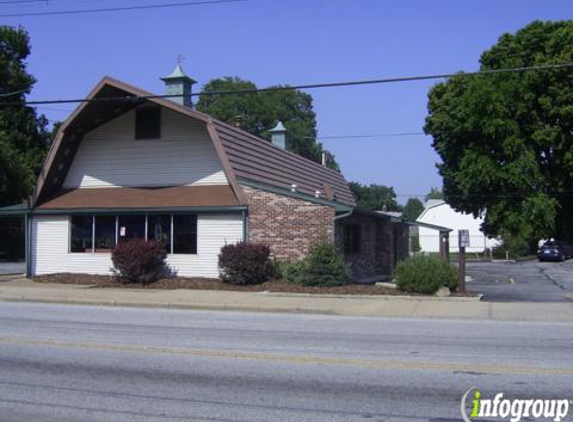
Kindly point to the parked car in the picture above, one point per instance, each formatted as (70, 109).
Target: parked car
(555, 251)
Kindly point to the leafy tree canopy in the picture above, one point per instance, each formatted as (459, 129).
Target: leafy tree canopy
(412, 209)
(375, 197)
(258, 112)
(435, 193)
(505, 140)
(23, 135)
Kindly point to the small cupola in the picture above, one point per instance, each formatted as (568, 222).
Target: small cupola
(178, 83)
(279, 136)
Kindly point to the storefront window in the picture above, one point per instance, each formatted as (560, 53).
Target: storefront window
(185, 234)
(159, 229)
(104, 233)
(81, 236)
(131, 227)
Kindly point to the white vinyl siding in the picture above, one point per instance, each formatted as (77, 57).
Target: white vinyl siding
(50, 247)
(109, 156)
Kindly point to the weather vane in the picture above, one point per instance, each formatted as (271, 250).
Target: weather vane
(180, 59)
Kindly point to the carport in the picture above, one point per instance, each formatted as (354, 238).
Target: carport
(443, 238)
(14, 239)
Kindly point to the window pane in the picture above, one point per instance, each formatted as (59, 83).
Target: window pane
(185, 234)
(352, 238)
(131, 227)
(81, 239)
(148, 123)
(159, 229)
(104, 233)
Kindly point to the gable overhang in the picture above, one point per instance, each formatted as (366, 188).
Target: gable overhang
(108, 100)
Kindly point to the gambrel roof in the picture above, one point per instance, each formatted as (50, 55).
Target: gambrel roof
(242, 155)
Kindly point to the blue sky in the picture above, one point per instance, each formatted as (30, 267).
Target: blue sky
(288, 42)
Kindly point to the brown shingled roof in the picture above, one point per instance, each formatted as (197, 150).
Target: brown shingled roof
(170, 197)
(243, 156)
(258, 160)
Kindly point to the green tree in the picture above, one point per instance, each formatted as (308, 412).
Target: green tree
(375, 197)
(505, 140)
(435, 193)
(412, 209)
(23, 135)
(258, 112)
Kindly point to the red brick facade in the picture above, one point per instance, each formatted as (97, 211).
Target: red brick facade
(289, 226)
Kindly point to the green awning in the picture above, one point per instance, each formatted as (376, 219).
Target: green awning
(14, 210)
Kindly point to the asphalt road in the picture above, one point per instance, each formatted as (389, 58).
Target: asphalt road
(80, 363)
(527, 281)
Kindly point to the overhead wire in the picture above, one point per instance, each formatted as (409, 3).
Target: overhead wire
(568, 65)
(123, 8)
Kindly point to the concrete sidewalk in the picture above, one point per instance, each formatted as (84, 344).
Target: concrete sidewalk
(20, 289)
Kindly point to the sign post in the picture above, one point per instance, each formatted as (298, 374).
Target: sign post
(463, 243)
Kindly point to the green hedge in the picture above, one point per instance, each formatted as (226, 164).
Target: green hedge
(425, 274)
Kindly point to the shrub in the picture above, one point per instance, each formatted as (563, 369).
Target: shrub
(425, 274)
(139, 261)
(324, 266)
(280, 268)
(245, 263)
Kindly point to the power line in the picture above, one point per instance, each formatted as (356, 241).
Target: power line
(377, 135)
(307, 86)
(23, 1)
(123, 8)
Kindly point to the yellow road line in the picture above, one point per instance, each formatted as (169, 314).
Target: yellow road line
(282, 358)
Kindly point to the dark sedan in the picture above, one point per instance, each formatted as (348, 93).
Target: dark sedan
(555, 251)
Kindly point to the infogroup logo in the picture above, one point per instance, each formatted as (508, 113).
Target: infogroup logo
(513, 409)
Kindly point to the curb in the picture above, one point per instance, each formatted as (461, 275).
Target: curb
(477, 298)
(170, 305)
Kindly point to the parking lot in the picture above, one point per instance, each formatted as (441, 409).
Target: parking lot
(528, 281)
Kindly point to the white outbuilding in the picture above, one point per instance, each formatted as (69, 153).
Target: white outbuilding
(439, 213)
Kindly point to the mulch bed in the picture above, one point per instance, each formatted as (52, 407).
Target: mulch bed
(216, 284)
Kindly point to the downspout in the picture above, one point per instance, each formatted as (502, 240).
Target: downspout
(245, 226)
(340, 217)
(27, 245)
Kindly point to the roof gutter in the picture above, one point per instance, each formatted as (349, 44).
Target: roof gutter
(346, 214)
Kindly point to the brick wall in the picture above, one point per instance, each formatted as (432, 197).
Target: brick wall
(289, 226)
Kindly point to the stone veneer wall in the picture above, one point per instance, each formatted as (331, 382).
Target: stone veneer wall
(289, 226)
(376, 256)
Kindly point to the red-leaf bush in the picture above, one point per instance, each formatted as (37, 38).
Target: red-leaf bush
(139, 261)
(245, 263)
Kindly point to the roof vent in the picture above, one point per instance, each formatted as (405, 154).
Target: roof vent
(279, 136)
(179, 85)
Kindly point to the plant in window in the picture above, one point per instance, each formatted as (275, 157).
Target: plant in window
(245, 263)
(139, 261)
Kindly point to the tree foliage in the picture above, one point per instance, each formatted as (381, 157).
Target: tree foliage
(412, 209)
(258, 112)
(435, 193)
(506, 139)
(23, 134)
(374, 197)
